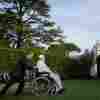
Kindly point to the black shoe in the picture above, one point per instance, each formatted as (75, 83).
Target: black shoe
(2, 93)
(60, 92)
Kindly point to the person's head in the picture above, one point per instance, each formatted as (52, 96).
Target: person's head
(42, 57)
(30, 55)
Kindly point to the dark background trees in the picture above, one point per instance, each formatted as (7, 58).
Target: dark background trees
(58, 59)
(33, 14)
(79, 67)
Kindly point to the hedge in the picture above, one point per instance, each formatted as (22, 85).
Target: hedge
(8, 56)
(55, 59)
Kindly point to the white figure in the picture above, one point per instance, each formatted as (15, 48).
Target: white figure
(42, 67)
(93, 70)
(75, 54)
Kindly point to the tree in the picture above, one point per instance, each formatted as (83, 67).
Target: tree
(7, 22)
(80, 67)
(32, 8)
(57, 59)
(31, 13)
(71, 47)
(47, 32)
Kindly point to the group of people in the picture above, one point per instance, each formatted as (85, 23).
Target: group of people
(25, 62)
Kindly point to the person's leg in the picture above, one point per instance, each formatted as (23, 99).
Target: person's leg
(57, 79)
(5, 88)
(20, 87)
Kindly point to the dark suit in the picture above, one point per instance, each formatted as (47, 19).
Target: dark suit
(18, 74)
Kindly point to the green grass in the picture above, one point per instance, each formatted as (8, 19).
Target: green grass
(75, 90)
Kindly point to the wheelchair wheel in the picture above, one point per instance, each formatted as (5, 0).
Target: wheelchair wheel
(52, 91)
(42, 85)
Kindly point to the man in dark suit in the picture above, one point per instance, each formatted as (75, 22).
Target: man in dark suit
(23, 63)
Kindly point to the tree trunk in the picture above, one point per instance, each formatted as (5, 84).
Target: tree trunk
(98, 66)
(19, 42)
(19, 33)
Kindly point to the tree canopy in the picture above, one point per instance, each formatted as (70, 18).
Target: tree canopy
(34, 13)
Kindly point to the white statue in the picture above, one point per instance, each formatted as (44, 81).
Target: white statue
(93, 70)
(42, 67)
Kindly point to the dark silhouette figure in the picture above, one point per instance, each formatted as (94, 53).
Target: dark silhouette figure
(23, 63)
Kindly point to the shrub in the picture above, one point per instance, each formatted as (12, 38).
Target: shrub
(8, 56)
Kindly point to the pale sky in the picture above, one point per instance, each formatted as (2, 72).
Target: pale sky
(80, 20)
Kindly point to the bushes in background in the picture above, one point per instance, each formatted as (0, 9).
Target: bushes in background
(67, 67)
(8, 56)
(55, 59)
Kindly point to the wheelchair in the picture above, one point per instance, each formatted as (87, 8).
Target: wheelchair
(38, 83)
(41, 83)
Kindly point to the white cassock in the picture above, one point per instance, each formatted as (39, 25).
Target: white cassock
(93, 71)
(42, 67)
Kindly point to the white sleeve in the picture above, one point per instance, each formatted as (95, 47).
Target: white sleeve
(38, 64)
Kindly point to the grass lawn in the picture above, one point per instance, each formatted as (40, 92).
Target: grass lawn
(75, 90)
